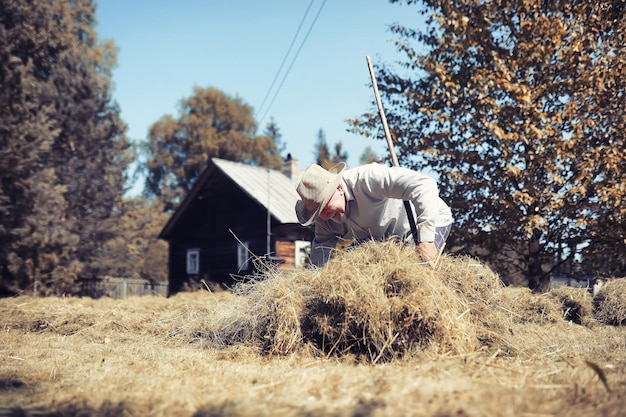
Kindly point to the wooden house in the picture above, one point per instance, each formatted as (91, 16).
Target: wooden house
(236, 218)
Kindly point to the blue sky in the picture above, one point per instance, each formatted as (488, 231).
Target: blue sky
(165, 48)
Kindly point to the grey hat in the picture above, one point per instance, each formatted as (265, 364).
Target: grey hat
(316, 187)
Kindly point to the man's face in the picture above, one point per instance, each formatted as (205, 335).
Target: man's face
(336, 207)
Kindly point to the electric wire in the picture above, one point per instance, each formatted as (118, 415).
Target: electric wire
(280, 68)
(293, 61)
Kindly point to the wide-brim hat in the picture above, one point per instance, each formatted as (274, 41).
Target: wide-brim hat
(316, 187)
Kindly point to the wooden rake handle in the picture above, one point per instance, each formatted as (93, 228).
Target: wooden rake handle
(394, 158)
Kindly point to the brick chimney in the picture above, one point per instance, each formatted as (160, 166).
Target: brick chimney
(291, 167)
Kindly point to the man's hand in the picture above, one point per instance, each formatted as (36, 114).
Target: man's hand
(428, 252)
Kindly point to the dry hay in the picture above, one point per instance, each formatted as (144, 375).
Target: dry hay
(107, 318)
(576, 304)
(466, 346)
(377, 302)
(561, 303)
(610, 303)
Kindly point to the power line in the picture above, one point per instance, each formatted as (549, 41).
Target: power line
(294, 58)
(280, 68)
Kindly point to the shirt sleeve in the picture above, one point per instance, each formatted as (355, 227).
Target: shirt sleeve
(408, 185)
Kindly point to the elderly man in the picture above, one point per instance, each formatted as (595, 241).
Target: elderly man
(366, 203)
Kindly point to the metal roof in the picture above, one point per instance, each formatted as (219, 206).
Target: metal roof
(270, 188)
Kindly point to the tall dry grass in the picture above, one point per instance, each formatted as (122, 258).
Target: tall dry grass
(374, 333)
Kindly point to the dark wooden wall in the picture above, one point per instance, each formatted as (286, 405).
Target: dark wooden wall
(220, 212)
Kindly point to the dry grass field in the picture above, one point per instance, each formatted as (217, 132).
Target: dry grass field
(372, 334)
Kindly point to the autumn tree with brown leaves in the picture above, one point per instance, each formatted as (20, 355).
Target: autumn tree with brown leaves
(210, 124)
(519, 107)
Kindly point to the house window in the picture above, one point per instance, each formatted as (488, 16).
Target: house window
(243, 255)
(303, 249)
(193, 261)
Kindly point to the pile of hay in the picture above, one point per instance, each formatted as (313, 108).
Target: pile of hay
(377, 302)
(576, 304)
(610, 303)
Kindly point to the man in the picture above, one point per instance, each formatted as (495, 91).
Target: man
(367, 203)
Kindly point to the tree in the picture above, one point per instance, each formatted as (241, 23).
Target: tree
(272, 131)
(321, 151)
(368, 156)
(519, 107)
(136, 252)
(90, 156)
(210, 124)
(26, 133)
(323, 156)
(63, 144)
(340, 155)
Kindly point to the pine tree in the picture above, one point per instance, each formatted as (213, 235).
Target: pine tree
(63, 148)
(273, 131)
(90, 155)
(26, 135)
(368, 156)
(340, 155)
(323, 156)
